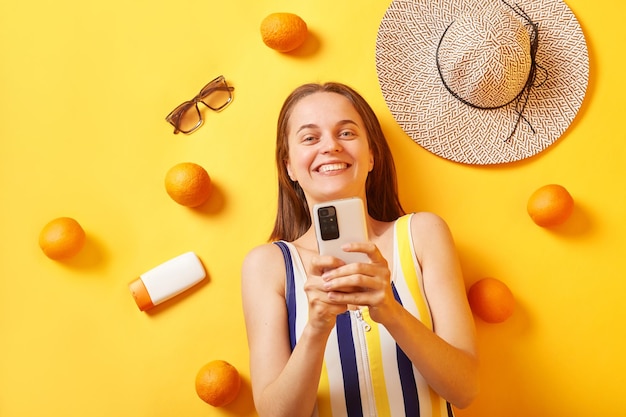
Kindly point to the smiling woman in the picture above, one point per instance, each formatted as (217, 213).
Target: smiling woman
(362, 333)
(331, 149)
(292, 203)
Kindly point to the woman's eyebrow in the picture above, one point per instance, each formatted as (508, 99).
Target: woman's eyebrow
(347, 122)
(339, 123)
(306, 126)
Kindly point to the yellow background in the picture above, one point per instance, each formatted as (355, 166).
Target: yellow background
(84, 89)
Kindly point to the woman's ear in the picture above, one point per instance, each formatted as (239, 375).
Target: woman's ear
(288, 166)
(371, 161)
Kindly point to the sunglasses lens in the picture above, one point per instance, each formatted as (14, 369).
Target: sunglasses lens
(216, 95)
(185, 117)
(218, 99)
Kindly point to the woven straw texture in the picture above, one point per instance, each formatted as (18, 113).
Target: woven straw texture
(406, 48)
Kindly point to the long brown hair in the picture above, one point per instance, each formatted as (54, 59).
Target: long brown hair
(293, 218)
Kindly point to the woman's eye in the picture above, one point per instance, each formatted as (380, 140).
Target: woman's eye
(346, 134)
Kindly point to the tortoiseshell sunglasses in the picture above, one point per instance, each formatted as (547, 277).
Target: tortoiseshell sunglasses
(216, 95)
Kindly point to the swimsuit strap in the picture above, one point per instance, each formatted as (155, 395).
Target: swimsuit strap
(290, 292)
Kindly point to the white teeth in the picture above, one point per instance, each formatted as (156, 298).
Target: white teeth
(333, 167)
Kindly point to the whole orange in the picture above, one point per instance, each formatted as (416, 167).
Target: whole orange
(218, 383)
(491, 300)
(283, 32)
(61, 238)
(188, 184)
(550, 205)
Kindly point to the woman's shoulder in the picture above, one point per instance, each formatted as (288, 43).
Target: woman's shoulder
(264, 255)
(426, 218)
(264, 261)
(263, 276)
(427, 226)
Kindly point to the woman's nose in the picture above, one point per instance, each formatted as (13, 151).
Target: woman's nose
(331, 144)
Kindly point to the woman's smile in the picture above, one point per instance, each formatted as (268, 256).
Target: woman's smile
(332, 167)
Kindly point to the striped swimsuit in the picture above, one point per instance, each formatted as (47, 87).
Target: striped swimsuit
(365, 373)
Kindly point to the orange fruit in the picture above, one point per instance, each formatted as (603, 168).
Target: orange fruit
(188, 184)
(491, 300)
(550, 205)
(283, 32)
(218, 383)
(61, 238)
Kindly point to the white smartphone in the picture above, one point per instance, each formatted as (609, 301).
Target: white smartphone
(338, 222)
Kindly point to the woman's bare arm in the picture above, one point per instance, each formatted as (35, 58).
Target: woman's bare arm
(284, 383)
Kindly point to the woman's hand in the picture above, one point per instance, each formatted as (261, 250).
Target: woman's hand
(322, 310)
(361, 284)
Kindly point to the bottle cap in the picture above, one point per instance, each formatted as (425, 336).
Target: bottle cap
(141, 295)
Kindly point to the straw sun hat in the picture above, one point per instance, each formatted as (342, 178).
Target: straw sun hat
(482, 81)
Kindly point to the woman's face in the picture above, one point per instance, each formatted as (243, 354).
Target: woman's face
(329, 154)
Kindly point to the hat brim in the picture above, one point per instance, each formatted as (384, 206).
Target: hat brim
(407, 72)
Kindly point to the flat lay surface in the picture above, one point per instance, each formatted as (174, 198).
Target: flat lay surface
(86, 88)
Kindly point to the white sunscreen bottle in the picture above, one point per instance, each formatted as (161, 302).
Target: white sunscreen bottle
(167, 280)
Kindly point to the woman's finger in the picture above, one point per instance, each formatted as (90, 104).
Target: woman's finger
(320, 264)
(369, 248)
